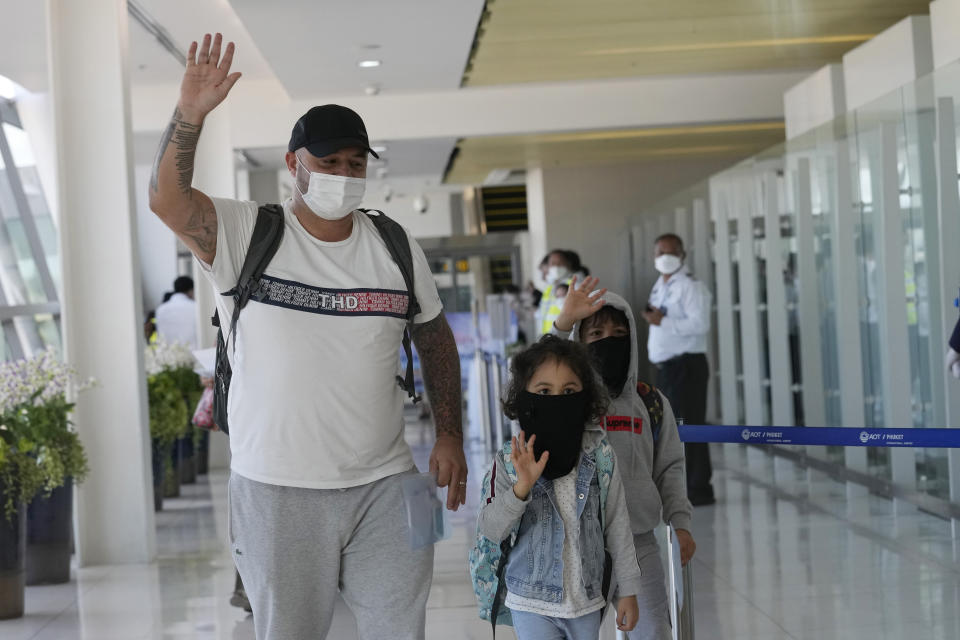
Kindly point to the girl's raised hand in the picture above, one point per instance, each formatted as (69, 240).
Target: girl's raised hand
(528, 468)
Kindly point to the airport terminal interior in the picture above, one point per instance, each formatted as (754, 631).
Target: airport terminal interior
(797, 160)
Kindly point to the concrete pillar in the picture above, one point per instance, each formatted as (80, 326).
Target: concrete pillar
(102, 297)
(944, 18)
(896, 57)
(214, 175)
(815, 101)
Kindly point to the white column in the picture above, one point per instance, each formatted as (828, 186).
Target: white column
(811, 362)
(751, 343)
(536, 215)
(895, 351)
(729, 401)
(846, 287)
(214, 175)
(703, 268)
(102, 297)
(949, 229)
(781, 382)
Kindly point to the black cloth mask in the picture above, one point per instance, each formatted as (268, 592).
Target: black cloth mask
(611, 357)
(558, 422)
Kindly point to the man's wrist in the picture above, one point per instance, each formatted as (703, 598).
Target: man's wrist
(190, 115)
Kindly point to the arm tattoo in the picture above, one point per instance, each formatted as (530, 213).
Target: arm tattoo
(441, 373)
(202, 227)
(184, 136)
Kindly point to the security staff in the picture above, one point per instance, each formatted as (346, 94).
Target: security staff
(679, 315)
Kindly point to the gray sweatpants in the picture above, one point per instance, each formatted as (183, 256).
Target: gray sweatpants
(654, 622)
(296, 548)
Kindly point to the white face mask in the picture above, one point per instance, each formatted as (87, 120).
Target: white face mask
(667, 264)
(556, 274)
(332, 197)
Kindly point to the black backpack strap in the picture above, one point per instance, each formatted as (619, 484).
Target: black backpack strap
(654, 404)
(398, 244)
(266, 238)
(267, 235)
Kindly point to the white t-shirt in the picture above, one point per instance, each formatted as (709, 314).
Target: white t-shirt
(177, 320)
(314, 400)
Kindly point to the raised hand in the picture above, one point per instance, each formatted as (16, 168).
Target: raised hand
(581, 302)
(528, 468)
(207, 80)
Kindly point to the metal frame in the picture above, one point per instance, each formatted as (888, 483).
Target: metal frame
(20, 330)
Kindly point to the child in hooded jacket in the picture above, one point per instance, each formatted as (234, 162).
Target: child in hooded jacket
(546, 486)
(651, 465)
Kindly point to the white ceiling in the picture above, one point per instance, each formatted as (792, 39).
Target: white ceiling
(314, 45)
(23, 47)
(402, 159)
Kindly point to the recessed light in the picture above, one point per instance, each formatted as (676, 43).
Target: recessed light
(368, 64)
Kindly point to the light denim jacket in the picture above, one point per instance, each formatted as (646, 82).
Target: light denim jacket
(535, 565)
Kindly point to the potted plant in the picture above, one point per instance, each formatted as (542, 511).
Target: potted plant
(40, 459)
(167, 366)
(189, 384)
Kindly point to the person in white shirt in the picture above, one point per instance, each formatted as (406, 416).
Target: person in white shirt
(177, 317)
(319, 456)
(679, 315)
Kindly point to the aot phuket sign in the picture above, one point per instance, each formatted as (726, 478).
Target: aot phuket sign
(822, 436)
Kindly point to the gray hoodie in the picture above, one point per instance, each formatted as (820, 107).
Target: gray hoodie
(654, 477)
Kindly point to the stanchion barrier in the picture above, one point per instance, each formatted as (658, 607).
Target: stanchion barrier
(496, 410)
(824, 436)
(481, 364)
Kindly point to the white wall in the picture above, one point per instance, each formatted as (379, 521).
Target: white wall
(435, 222)
(899, 55)
(945, 23)
(588, 209)
(158, 245)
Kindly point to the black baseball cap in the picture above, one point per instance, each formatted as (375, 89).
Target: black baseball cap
(328, 128)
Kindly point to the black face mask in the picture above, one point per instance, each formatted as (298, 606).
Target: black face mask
(611, 357)
(558, 422)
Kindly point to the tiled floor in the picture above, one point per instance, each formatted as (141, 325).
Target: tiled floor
(785, 554)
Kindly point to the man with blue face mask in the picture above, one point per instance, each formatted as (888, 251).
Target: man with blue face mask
(315, 413)
(679, 315)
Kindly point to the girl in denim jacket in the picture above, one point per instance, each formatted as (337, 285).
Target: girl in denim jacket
(545, 487)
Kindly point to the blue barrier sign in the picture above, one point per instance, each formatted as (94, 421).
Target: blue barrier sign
(824, 436)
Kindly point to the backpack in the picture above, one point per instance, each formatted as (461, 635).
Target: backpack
(488, 559)
(267, 235)
(654, 404)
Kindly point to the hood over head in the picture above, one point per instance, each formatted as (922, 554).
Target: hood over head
(618, 302)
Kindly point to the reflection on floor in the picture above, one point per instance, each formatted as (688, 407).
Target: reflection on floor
(784, 554)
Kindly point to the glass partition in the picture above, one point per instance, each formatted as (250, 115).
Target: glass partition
(848, 227)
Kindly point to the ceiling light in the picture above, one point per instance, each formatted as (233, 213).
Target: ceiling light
(368, 64)
(379, 148)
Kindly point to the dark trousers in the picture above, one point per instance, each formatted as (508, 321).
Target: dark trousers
(684, 381)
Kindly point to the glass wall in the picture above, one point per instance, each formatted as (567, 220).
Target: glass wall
(835, 270)
(29, 253)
